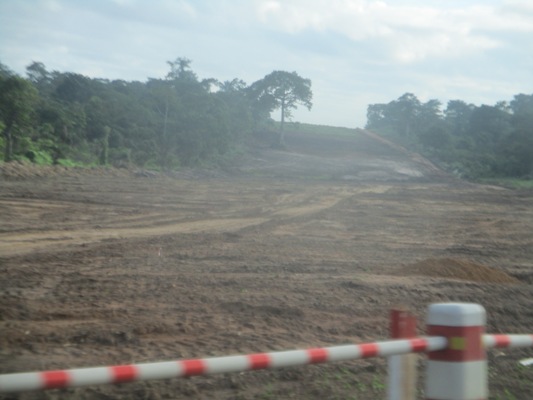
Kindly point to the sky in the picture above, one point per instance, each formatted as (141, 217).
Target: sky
(356, 52)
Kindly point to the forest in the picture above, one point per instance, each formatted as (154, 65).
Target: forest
(65, 118)
(51, 117)
(471, 141)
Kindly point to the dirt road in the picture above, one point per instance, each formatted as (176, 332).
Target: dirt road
(291, 249)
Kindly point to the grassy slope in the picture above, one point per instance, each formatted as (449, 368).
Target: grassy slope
(512, 183)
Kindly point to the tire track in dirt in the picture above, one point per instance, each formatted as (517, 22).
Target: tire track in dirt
(29, 242)
(149, 225)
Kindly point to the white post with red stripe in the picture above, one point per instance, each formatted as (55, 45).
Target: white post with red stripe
(402, 368)
(459, 372)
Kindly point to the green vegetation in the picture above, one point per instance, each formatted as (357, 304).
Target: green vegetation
(283, 90)
(343, 382)
(511, 183)
(316, 129)
(66, 118)
(473, 142)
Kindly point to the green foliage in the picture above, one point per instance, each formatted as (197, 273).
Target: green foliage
(473, 142)
(181, 120)
(104, 152)
(120, 157)
(66, 162)
(377, 385)
(17, 97)
(317, 129)
(511, 183)
(281, 90)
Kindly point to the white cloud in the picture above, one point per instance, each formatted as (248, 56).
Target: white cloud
(409, 32)
(53, 5)
(521, 7)
(407, 48)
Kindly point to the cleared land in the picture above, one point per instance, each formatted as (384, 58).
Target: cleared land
(293, 249)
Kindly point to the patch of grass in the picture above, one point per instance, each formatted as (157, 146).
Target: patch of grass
(67, 162)
(317, 129)
(268, 393)
(42, 158)
(506, 396)
(377, 385)
(346, 383)
(511, 183)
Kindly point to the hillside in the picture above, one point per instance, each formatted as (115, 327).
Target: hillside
(303, 247)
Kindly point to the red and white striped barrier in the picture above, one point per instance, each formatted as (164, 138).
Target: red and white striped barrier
(186, 368)
(207, 366)
(456, 366)
(503, 341)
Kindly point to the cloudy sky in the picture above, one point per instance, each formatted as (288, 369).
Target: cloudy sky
(356, 52)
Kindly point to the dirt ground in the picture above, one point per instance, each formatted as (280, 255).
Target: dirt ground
(307, 247)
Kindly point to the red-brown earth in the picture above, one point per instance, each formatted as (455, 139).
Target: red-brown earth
(306, 247)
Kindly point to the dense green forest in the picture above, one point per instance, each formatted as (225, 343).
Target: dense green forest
(473, 142)
(53, 117)
(56, 117)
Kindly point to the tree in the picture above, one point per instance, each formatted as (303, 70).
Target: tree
(404, 118)
(5, 72)
(522, 108)
(457, 116)
(376, 116)
(405, 112)
(436, 139)
(165, 109)
(484, 141)
(73, 87)
(518, 147)
(180, 69)
(17, 96)
(489, 126)
(39, 76)
(283, 90)
(235, 85)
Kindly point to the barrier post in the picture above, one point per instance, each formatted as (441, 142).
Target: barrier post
(459, 372)
(402, 368)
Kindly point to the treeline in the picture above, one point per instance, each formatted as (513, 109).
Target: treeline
(181, 120)
(474, 142)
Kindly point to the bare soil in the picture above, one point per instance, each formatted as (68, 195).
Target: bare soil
(305, 247)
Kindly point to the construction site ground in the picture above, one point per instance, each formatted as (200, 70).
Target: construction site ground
(303, 247)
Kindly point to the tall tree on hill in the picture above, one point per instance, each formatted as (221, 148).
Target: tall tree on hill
(40, 77)
(283, 90)
(180, 69)
(457, 117)
(402, 117)
(518, 147)
(405, 112)
(5, 72)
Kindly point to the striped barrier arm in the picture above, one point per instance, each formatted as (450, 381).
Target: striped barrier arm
(502, 341)
(19, 382)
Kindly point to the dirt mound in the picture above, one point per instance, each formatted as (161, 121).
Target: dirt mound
(457, 269)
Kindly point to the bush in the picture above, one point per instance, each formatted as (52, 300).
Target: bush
(120, 157)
